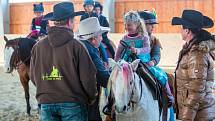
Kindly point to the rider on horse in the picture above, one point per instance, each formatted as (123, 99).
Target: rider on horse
(38, 25)
(98, 8)
(88, 7)
(138, 42)
(150, 19)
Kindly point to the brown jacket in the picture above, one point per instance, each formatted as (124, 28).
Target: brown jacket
(194, 81)
(62, 69)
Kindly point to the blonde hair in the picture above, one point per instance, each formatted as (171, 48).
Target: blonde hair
(133, 17)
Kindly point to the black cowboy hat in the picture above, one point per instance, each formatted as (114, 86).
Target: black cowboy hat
(62, 11)
(148, 16)
(192, 19)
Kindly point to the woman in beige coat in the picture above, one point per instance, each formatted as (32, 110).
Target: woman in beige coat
(194, 72)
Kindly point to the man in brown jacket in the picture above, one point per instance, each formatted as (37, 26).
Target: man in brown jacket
(195, 69)
(62, 70)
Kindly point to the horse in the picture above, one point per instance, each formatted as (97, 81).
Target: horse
(133, 99)
(108, 49)
(17, 53)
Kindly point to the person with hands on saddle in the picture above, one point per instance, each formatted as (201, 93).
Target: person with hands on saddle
(98, 9)
(195, 69)
(90, 33)
(38, 25)
(136, 43)
(150, 19)
(62, 70)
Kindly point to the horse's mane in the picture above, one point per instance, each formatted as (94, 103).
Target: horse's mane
(25, 47)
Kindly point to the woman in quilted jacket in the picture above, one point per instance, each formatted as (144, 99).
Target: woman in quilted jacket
(195, 69)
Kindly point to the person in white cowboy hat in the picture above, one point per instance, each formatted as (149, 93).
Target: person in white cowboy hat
(90, 33)
(62, 70)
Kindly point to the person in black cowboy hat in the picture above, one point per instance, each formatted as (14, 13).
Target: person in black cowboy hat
(62, 70)
(150, 20)
(98, 8)
(195, 68)
(38, 25)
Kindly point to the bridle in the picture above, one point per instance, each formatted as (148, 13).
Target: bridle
(132, 83)
(15, 60)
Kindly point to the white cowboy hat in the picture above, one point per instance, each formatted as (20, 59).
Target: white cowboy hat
(89, 28)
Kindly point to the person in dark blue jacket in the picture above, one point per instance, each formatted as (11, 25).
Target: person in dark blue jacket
(90, 33)
(88, 7)
(38, 25)
(98, 9)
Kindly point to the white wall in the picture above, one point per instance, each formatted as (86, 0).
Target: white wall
(109, 12)
(1, 33)
(6, 15)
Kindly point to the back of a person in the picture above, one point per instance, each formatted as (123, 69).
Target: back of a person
(62, 70)
(65, 80)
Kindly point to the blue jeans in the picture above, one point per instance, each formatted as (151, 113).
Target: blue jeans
(63, 112)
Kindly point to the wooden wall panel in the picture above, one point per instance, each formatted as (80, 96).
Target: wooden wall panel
(21, 15)
(166, 9)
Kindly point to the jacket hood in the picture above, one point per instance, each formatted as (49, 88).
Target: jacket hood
(59, 36)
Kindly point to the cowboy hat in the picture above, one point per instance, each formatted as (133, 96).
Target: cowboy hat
(193, 19)
(148, 16)
(62, 11)
(89, 28)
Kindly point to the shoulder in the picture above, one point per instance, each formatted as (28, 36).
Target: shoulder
(198, 55)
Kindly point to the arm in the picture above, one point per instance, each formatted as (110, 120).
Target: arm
(102, 73)
(197, 74)
(87, 73)
(33, 27)
(105, 24)
(103, 53)
(146, 46)
(155, 54)
(119, 52)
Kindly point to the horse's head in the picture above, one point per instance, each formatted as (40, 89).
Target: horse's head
(122, 83)
(10, 47)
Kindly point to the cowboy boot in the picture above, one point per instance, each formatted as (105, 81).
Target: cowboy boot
(169, 95)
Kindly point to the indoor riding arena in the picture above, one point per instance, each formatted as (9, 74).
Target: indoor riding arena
(19, 97)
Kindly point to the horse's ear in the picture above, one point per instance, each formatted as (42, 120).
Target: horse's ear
(5, 38)
(111, 62)
(135, 64)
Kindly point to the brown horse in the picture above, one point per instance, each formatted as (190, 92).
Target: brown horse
(17, 55)
(108, 50)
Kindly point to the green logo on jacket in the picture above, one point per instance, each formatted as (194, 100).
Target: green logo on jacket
(55, 75)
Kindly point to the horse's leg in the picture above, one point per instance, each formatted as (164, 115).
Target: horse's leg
(24, 78)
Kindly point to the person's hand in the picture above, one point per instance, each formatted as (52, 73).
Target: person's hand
(106, 65)
(151, 63)
(133, 50)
